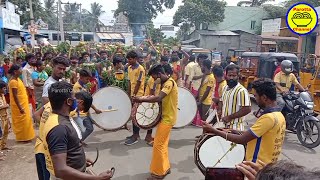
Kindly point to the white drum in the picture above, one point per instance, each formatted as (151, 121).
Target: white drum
(146, 115)
(216, 152)
(187, 108)
(115, 105)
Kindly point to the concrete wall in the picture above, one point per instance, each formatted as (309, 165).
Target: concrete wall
(222, 43)
(247, 41)
(239, 18)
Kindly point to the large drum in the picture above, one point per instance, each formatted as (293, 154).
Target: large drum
(215, 152)
(146, 115)
(116, 108)
(187, 108)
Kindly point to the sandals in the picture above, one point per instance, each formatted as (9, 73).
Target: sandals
(156, 177)
(150, 143)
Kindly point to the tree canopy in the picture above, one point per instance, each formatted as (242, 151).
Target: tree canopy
(314, 3)
(196, 12)
(253, 3)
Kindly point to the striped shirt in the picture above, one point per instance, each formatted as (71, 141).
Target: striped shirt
(232, 101)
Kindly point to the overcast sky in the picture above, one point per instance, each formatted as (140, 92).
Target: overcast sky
(165, 18)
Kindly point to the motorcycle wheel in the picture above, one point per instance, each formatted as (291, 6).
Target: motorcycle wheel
(306, 133)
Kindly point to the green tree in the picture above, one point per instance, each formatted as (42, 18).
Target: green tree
(142, 11)
(155, 34)
(24, 12)
(275, 11)
(96, 12)
(171, 41)
(196, 12)
(253, 3)
(71, 18)
(50, 16)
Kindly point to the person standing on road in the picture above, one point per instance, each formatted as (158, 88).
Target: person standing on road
(160, 164)
(59, 64)
(187, 70)
(65, 156)
(235, 102)
(27, 71)
(4, 117)
(265, 138)
(19, 104)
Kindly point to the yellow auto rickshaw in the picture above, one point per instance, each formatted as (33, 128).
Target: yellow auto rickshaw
(254, 65)
(310, 77)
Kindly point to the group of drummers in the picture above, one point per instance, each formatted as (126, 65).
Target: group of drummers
(59, 151)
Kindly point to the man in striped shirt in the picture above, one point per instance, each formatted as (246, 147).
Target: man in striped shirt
(235, 102)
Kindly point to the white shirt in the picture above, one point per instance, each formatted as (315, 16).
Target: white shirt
(26, 76)
(196, 71)
(232, 101)
(47, 85)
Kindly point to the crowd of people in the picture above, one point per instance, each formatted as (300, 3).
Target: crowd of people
(58, 102)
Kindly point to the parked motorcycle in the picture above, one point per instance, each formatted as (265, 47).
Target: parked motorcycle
(299, 116)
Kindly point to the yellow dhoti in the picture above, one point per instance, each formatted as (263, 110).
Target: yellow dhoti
(160, 164)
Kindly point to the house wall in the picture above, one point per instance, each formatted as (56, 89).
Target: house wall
(221, 43)
(240, 18)
(247, 41)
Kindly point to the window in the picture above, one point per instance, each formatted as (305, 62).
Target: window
(87, 37)
(55, 37)
(253, 24)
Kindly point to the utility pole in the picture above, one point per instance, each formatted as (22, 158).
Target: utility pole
(61, 22)
(32, 23)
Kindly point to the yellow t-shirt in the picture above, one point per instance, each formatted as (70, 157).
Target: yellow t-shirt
(209, 81)
(38, 148)
(170, 102)
(221, 87)
(136, 74)
(77, 88)
(269, 131)
(119, 75)
(151, 85)
(285, 81)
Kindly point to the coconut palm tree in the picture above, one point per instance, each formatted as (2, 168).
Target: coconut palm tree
(96, 12)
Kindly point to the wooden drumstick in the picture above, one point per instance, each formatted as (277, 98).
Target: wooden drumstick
(108, 110)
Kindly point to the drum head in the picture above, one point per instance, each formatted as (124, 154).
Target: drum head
(187, 108)
(220, 153)
(148, 115)
(116, 107)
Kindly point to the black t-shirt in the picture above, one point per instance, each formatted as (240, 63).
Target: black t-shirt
(63, 138)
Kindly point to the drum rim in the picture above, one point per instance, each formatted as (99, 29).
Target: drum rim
(153, 124)
(115, 129)
(203, 138)
(180, 127)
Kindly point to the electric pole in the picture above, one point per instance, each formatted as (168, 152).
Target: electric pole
(32, 23)
(60, 22)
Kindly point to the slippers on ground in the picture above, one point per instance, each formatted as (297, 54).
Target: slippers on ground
(150, 143)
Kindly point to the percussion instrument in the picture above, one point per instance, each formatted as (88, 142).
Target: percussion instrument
(215, 152)
(115, 105)
(146, 115)
(187, 108)
(212, 113)
(219, 123)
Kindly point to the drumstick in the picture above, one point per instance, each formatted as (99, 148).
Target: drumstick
(108, 110)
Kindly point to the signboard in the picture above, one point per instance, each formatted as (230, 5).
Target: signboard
(167, 28)
(10, 7)
(271, 26)
(10, 19)
(33, 29)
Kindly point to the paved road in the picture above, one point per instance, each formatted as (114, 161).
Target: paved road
(132, 163)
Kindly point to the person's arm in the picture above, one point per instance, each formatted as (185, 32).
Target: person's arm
(296, 83)
(37, 115)
(25, 77)
(16, 100)
(139, 82)
(239, 139)
(167, 87)
(197, 77)
(129, 88)
(45, 95)
(98, 111)
(57, 144)
(37, 83)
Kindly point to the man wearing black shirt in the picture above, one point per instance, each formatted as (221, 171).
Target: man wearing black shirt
(65, 157)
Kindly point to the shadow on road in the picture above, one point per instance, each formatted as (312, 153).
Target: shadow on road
(133, 177)
(185, 166)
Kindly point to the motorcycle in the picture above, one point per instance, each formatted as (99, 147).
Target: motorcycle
(300, 118)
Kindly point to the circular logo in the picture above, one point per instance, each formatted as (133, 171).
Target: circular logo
(302, 18)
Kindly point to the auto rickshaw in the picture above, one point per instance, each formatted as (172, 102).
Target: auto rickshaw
(233, 55)
(310, 77)
(254, 65)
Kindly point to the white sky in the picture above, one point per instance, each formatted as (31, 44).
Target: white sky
(162, 19)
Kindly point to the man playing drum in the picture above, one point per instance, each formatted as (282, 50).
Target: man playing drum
(265, 138)
(235, 102)
(136, 74)
(160, 165)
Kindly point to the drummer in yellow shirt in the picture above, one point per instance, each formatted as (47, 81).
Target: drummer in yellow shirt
(205, 91)
(265, 138)
(136, 75)
(160, 164)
